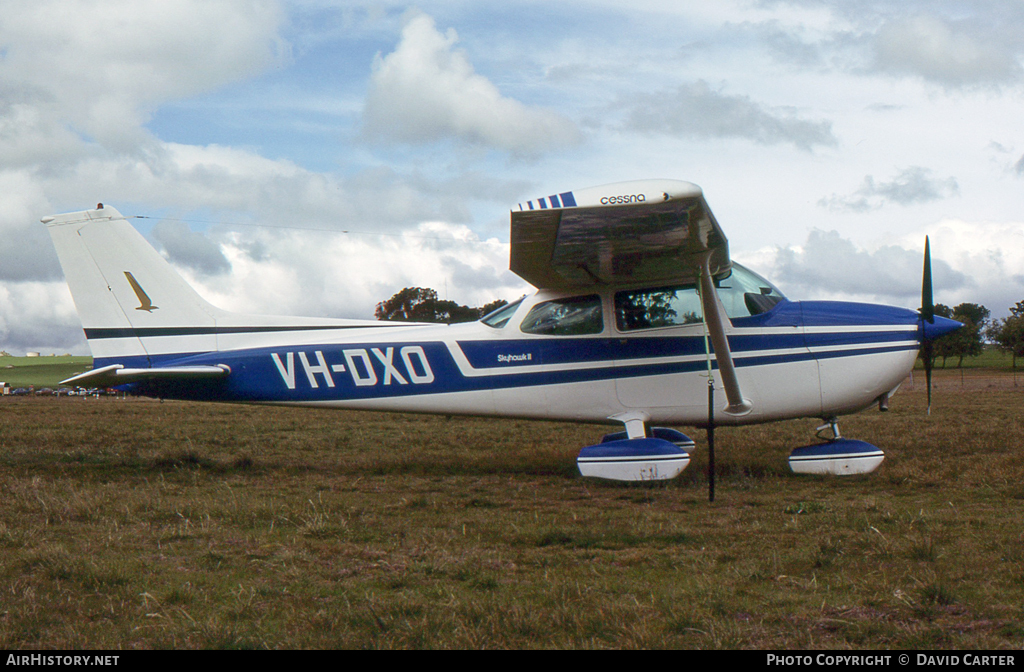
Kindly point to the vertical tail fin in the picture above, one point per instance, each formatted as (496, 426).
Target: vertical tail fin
(126, 294)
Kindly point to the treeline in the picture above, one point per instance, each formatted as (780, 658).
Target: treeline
(1008, 333)
(420, 304)
(969, 340)
(978, 329)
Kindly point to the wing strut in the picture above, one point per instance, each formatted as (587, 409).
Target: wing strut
(716, 328)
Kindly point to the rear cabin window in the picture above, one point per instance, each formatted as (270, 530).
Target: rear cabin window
(653, 308)
(572, 316)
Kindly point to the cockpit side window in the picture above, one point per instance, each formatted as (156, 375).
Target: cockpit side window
(742, 292)
(571, 316)
(653, 308)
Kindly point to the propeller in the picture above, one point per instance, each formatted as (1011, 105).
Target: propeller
(927, 315)
(932, 326)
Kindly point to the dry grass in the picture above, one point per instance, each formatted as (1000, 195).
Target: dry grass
(139, 524)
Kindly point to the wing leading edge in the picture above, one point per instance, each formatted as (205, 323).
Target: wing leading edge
(650, 231)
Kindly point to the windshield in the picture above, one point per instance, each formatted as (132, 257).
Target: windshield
(500, 317)
(745, 293)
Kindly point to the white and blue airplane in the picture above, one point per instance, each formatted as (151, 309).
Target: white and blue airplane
(638, 306)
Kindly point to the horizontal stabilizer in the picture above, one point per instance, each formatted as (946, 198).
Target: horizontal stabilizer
(117, 374)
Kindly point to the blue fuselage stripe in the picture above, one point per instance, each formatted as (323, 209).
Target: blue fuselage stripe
(792, 332)
(257, 376)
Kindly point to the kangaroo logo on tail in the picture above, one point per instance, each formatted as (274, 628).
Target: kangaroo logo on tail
(144, 300)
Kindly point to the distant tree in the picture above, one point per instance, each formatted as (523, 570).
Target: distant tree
(967, 341)
(420, 304)
(941, 347)
(975, 312)
(1008, 333)
(412, 304)
(489, 308)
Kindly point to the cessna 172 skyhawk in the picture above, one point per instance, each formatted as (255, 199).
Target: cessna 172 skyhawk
(638, 303)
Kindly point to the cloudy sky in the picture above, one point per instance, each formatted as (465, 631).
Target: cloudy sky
(313, 157)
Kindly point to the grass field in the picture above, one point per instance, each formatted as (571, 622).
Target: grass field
(41, 371)
(992, 357)
(140, 524)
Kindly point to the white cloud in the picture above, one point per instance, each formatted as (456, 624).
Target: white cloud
(39, 317)
(103, 66)
(25, 249)
(976, 262)
(190, 248)
(294, 268)
(426, 90)
(951, 53)
(990, 254)
(697, 110)
(956, 44)
(913, 185)
(828, 265)
(77, 81)
(273, 192)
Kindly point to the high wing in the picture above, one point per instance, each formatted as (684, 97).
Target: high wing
(651, 231)
(647, 232)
